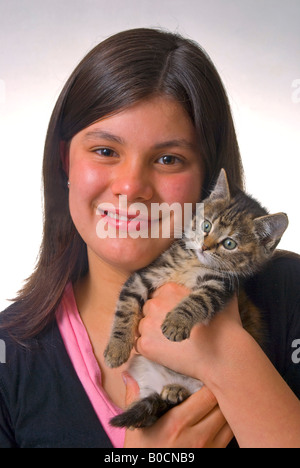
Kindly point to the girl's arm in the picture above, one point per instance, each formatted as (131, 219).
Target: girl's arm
(258, 405)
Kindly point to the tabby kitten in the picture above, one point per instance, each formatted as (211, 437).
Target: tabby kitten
(239, 237)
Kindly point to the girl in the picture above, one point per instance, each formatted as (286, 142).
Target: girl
(144, 115)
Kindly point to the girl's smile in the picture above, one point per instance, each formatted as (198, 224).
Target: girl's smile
(125, 221)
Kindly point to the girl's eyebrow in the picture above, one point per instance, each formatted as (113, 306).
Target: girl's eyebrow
(97, 133)
(177, 142)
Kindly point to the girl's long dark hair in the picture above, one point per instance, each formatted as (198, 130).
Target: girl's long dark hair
(120, 71)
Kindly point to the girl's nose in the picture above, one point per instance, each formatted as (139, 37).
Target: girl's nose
(133, 182)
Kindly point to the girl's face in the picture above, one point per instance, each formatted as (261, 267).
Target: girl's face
(147, 153)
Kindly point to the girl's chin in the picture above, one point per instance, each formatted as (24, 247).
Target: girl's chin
(130, 254)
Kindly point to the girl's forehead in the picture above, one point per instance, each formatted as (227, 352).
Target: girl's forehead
(159, 116)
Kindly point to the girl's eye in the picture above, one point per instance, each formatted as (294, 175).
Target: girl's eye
(168, 160)
(107, 152)
(229, 244)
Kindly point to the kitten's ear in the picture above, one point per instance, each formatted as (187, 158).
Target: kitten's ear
(221, 190)
(270, 229)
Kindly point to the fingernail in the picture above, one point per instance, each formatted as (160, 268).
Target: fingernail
(125, 377)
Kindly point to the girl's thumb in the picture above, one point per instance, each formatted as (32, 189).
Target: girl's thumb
(132, 388)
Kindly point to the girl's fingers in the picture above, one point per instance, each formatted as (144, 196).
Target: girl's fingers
(197, 422)
(196, 407)
(224, 436)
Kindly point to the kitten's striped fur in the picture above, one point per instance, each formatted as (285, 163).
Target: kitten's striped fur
(213, 273)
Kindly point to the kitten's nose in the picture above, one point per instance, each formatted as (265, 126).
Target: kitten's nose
(209, 243)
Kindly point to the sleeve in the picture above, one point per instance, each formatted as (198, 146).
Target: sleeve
(277, 294)
(292, 358)
(6, 432)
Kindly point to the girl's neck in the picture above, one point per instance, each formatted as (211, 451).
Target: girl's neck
(96, 294)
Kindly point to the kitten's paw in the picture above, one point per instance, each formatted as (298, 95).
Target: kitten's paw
(116, 353)
(175, 327)
(142, 413)
(174, 394)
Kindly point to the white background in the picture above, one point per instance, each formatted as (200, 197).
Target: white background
(255, 45)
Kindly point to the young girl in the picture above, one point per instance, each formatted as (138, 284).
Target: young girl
(144, 115)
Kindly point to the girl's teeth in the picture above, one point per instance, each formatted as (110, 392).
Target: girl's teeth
(115, 216)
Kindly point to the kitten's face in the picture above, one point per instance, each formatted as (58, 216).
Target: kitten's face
(237, 234)
(229, 241)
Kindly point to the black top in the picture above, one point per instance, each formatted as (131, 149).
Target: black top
(42, 401)
(44, 405)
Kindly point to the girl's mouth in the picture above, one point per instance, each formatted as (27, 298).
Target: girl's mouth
(123, 221)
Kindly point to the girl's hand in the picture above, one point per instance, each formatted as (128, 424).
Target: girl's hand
(233, 367)
(196, 355)
(195, 423)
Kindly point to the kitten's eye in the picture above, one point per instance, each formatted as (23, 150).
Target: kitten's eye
(206, 226)
(229, 244)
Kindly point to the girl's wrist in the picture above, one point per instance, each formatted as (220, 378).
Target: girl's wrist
(260, 408)
(227, 354)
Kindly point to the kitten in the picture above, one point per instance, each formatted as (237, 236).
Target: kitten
(238, 237)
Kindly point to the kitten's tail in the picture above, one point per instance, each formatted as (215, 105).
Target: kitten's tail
(142, 413)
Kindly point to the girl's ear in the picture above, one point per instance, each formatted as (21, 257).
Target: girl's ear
(64, 156)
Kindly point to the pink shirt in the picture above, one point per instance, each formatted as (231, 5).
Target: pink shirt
(79, 349)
